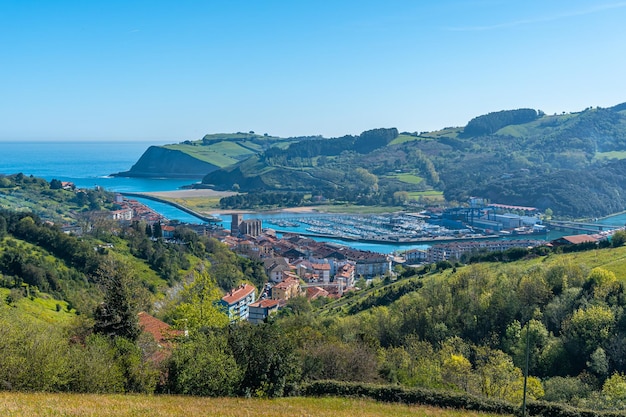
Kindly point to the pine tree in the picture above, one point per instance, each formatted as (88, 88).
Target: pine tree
(117, 315)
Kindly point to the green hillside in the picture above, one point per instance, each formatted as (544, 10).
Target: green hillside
(519, 157)
(447, 335)
(194, 159)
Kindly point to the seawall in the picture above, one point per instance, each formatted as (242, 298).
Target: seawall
(208, 219)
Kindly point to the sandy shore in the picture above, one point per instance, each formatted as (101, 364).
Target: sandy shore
(191, 193)
(207, 193)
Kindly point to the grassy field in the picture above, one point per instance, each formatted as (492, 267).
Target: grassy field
(409, 178)
(42, 307)
(610, 155)
(431, 195)
(204, 153)
(41, 404)
(199, 204)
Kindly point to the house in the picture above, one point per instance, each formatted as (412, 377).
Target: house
(574, 240)
(162, 333)
(168, 231)
(237, 302)
(322, 271)
(262, 309)
(315, 292)
(275, 268)
(286, 289)
(416, 256)
(345, 275)
(123, 214)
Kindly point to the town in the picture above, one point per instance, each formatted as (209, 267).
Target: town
(299, 265)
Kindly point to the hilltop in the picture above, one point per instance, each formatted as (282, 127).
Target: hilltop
(572, 163)
(194, 159)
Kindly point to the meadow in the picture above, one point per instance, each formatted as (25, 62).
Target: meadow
(44, 404)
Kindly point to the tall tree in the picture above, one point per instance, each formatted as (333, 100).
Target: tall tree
(117, 315)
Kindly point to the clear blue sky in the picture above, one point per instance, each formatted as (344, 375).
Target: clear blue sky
(175, 70)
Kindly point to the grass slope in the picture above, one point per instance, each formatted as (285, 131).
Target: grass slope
(611, 259)
(42, 404)
(42, 308)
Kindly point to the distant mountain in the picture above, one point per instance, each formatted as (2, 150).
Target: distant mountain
(573, 163)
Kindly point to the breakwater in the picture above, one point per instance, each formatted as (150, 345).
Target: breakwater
(200, 216)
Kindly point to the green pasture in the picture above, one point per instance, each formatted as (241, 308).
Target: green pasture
(62, 404)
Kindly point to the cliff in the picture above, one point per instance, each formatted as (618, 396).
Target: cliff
(157, 162)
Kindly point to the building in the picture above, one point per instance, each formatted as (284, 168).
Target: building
(454, 250)
(315, 292)
(275, 268)
(286, 289)
(236, 220)
(239, 226)
(574, 240)
(345, 275)
(237, 302)
(122, 214)
(262, 309)
(322, 271)
(416, 256)
(162, 334)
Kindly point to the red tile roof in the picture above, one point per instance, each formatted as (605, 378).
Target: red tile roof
(238, 293)
(160, 330)
(576, 239)
(267, 303)
(313, 292)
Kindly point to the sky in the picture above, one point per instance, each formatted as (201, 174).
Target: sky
(177, 70)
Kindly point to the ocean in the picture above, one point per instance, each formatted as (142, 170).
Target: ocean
(86, 164)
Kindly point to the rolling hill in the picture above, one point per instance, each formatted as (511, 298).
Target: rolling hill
(572, 163)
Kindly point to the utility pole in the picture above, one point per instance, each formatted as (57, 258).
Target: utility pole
(526, 367)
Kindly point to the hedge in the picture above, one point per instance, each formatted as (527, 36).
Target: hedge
(443, 399)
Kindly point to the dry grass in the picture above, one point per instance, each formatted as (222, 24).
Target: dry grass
(40, 404)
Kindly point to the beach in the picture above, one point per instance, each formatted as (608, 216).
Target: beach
(168, 196)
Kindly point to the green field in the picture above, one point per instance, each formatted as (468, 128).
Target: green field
(404, 138)
(409, 178)
(42, 404)
(42, 307)
(430, 195)
(610, 155)
(204, 153)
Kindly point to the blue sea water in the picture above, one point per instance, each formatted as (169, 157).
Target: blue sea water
(86, 164)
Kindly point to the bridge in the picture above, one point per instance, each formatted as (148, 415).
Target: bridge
(581, 226)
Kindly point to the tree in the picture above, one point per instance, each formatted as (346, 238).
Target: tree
(456, 370)
(618, 239)
(587, 330)
(614, 392)
(203, 365)
(55, 184)
(548, 213)
(157, 231)
(117, 315)
(197, 308)
(266, 358)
